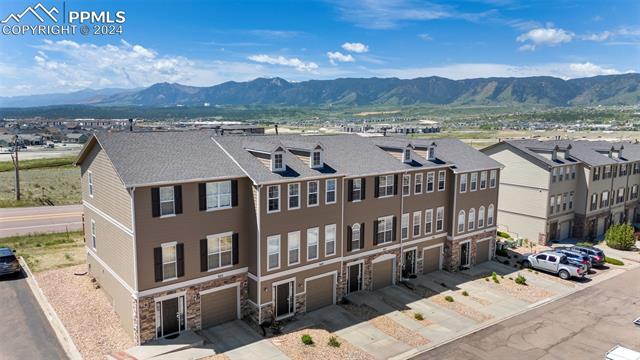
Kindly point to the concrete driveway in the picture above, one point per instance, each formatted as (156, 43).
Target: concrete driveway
(25, 332)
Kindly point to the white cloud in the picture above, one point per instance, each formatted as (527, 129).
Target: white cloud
(589, 69)
(597, 36)
(281, 60)
(544, 36)
(425, 37)
(355, 47)
(385, 14)
(339, 57)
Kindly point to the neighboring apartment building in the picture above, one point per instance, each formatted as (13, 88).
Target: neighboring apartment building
(186, 230)
(553, 190)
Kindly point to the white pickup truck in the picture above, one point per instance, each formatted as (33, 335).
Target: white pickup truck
(555, 263)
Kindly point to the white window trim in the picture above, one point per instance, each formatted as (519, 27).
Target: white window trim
(318, 166)
(486, 179)
(471, 219)
(481, 216)
(385, 219)
(279, 196)
(402, 219)
(218, 236)
(173, 191)
(433, 181)
(413, 225)
(463, 181)
(428, 215)
(326, 191)
(393, 182)
(273, 161)
(471, 182)
(165, 245)
(289, 186)
(279, 252)
(462, 214)
(441, 228)
(416, 182)
(493, 174)
(406, 176)
(221, 207)
(360, 191)
(289, 249)
(94, 230)
(359, 236)
(491, 210)
(335, 234)
(317, 231)
(317, 193)
(444, 182)
(90, 187)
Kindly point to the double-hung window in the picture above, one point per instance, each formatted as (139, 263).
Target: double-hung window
(330, 196)
(278, 162)
(417, 223)
(312, 193)
(317, 159)
(483, 180)
(558, 203)
(463, 183)
(472, 220)
(594, 202)
(573, 172)
(312, 243)
(273, 198)
(430, 180)
(293, 247)
(90, 182)
(273, 252)
(218, 195)
(385, 230)
(428, 221)
(494, 173)
(554, 175)
(441, 180)
(481, 217)
(571, 195)
(294, 196)
(440, 219)
(604, 202)
(404, 227)
(356, 191)
(356, 234)
(385, 187)
(219, 249)
(634, 191)
(552, 203)
(461, 221)
(167, 202)
(565, 200)
(474, 182)
(93, 234)
(490, 215)
(418, 184)
(406, 185)
(330, 240)
(169, 261)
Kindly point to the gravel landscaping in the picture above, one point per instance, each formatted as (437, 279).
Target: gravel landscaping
(528, 293)
(291, 345)
(216, 357)
(461, 309)
(398, 332)
(412, 315)
(85, 311)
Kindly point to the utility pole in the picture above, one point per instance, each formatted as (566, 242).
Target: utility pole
(16, 165)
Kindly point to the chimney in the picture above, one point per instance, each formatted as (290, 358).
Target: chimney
(620, 152)
(276, 129)
(131, 125)
(567, 152)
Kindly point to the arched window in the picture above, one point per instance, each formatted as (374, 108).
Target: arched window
(472, 219)
(355, 237)
(461, 220)
(481, 217)
(490, 215)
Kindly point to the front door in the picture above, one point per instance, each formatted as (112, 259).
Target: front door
(355, 278)
(553, 231)
(409, 265)
(170, 316)
(284, 299)
(464, 254)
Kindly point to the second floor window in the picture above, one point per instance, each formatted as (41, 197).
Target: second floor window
(483, 180)
(461, 220)
(440, 219)
(472, 220)
(490, 215)
(404, 227)
(571, 195)
(417, 222)
(356, 190)
(273, 198)
(492, 178)
(273, 252)
(418, 184)
(330, 240)
(406, 185)
(385, 230)
(218, 195)
(463, 183)
(169, 262)
(594, 202)
(312, 193)
(481, 217)
(294, 196)
(604, 202)
(441, 180)
(596, 173)
(428, 221)
(167, 203)
(620, 195)
(356, 235)
(385, 187)
(219, 250)
(634, 192)
(293, 245)
(330, 197)
(474, 182)
(93, 234)
(312, 243)
(430, 180)
(552, 204)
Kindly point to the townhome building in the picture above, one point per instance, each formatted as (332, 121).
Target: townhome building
(186, 230)
(558, 189)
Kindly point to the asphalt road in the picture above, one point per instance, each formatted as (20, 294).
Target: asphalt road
(25, 332)
(584, 325)
(19, 221)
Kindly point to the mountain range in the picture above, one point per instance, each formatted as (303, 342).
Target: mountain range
(539, 90)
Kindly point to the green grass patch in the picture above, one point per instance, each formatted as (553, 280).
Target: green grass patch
(613, 261)
(57, 185)
(48, 251)
(66, 161)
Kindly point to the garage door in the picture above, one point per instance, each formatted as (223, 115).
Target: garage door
(219, 306)
(382, 274)
(564, 230)
(319, 292)
(482, 251)
(431, 260)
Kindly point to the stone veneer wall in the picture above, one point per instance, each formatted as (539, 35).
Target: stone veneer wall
(367, 270)
(146, 306)
(451, 260)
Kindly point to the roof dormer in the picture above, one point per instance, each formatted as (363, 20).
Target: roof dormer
(554, 153)
(277, 160)
(431, 153)
(317, 157)
(611, 152)
(407, 156)
(567, 152)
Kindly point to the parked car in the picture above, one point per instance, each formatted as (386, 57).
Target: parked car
(575, 256)
(622, 353)
(8, 262)
(555, 263)
(596, 255)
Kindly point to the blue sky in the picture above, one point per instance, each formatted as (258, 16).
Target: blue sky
(208, 42)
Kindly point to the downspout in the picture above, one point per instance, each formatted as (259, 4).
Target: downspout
(402, 212)
(135, 257)
(258, 268)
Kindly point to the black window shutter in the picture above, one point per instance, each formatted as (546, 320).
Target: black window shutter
(204, 263)
(235, 249)
(180, 259)
(364, 188)
(234, 192)
(155, 202)
(350, 190)
(362, 235)
(376, 190)
(375, 232)
(393, 231)
(202, 196)
(177, 194)
(395, 184)
(157, 262)
(349, 238)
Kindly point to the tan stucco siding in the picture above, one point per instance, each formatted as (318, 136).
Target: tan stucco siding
(519, 170)
(522, 225)
(511, 199)
(109, 194)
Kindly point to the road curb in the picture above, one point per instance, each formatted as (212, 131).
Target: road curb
(414, 352)
(61, 332)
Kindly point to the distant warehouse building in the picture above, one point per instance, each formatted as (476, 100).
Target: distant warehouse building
(77, 138)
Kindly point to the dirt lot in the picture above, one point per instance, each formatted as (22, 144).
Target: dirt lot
(60, 185)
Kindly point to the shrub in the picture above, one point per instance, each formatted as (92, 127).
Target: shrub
(448, 298)
(613, 261)
(620, 237)
(418, 316)
(333, 342)
(306, 339)
(510, 278)
(521, 280)
(503, 234)
(486, 279)
(465, 293)
(494, 276)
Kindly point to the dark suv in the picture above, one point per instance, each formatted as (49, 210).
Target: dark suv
(8, 262)
(575, 257)
(596, 255)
